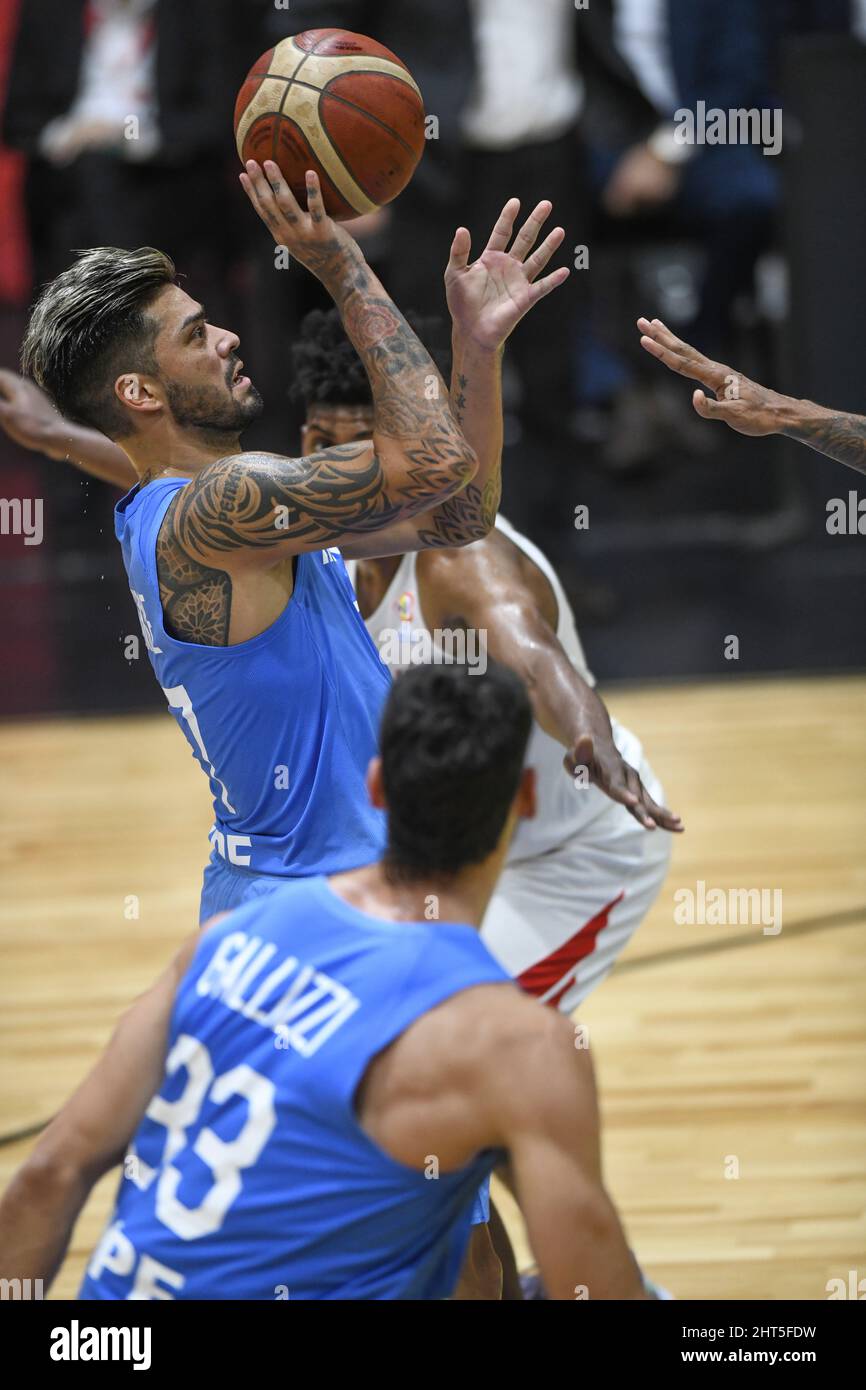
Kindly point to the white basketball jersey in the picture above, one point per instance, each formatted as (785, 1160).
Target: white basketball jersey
(563, 807)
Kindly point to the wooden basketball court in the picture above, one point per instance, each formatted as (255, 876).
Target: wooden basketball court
(731, 1061)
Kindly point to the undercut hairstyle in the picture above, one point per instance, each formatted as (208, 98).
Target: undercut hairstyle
(89, 326)
(326, 369)
(453, 743)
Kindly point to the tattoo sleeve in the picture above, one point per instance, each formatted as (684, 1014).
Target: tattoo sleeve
(476, 399)
(841, 437)
(419, 456)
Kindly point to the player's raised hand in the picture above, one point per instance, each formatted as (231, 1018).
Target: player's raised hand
(308, 234)
(741, 403)
(490, 296)
(608, 770)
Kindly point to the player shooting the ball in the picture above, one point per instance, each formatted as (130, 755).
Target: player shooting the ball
(234, 558)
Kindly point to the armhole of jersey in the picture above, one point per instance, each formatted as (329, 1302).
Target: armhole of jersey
(399, 1023)
(147, 538)
(401, 1014)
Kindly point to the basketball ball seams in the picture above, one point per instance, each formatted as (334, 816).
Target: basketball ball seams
(366, 122)
(346, 101)
(326, 153)
(367, 181)
(288, 88)
(362, 111)
(358, 48)
(331, 161)
(325, 177)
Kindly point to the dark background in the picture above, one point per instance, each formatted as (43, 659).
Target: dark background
(695, 534)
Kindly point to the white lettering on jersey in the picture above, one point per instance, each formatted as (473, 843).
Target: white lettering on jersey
(330, 555)
(144, 620)
(230, 846)
(304, 1016)
(146, 1284)
(178, 698)
(117, 1254)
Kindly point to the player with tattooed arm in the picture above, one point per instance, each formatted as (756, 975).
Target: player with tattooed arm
(234, 559)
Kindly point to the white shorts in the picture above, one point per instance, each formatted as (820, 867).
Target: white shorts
(558, 921)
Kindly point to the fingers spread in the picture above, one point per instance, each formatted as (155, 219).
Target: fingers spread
(528, 234)
(501, 234)
(550, 282)
(538, 260)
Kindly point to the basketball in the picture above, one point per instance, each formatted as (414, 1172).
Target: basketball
(341, 104)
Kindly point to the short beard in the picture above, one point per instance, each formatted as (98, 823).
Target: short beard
(212, 413)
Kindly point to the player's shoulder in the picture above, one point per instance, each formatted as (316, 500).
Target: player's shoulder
(497, 1027)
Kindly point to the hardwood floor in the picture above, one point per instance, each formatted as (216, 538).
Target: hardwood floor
(731, 1061)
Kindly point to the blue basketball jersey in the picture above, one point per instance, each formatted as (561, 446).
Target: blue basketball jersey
(250, 1176)
(284, 724)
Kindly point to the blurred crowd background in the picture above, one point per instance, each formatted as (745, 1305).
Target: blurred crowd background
(760, 259)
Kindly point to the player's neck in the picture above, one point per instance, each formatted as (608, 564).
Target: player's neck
(179, 453)
(382, 890)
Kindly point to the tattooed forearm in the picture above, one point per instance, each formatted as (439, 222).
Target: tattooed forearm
(460, 398)
(840, 437)
(476, 398)
(458, 522)
(409, 395)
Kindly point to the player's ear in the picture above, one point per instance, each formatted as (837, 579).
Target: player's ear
(306, 435)
(133, 390)
(376, 785)
(526, 801)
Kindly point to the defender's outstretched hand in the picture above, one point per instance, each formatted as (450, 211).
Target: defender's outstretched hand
(752, 409)
(741, 403)
(608, 770)
(488, 298)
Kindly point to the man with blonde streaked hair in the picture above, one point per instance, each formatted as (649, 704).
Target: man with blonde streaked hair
(234, 559)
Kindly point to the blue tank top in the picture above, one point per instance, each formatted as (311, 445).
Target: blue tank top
(250, 1176)
(284, 724)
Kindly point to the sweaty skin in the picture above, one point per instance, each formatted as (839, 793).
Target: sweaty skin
(494, 587)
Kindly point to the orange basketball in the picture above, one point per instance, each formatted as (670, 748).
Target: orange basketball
(341, 104)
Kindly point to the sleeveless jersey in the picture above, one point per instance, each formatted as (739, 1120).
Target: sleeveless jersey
(284, 724)
(563, 808)
(250, 1176)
